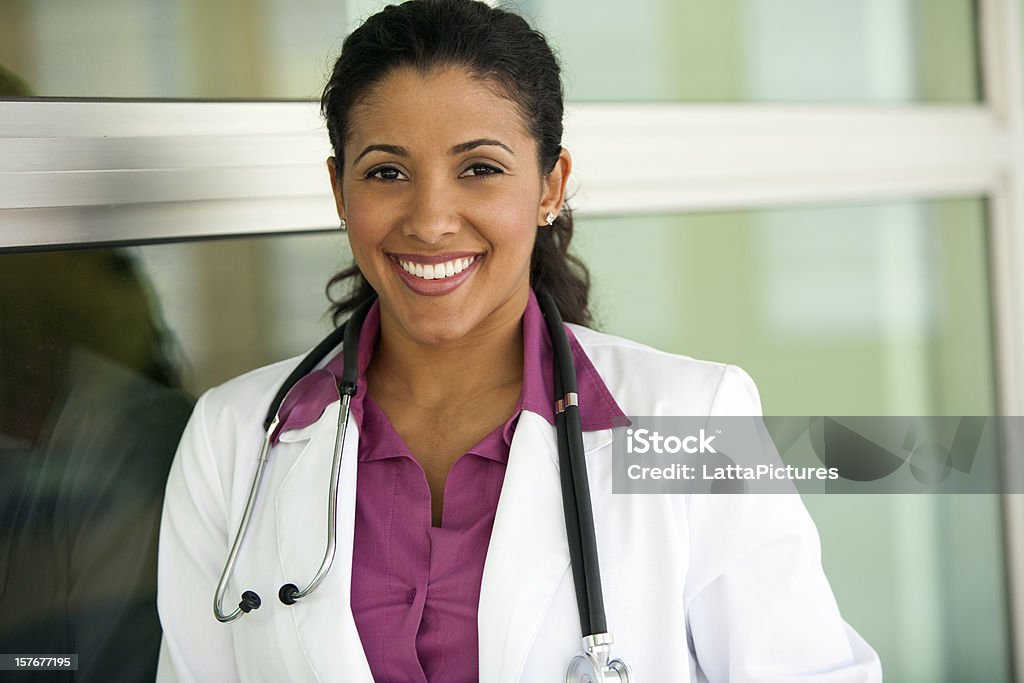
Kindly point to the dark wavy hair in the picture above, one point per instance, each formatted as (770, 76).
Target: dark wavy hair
(494, 45)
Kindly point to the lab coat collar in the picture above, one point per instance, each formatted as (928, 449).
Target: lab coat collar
(311, 395)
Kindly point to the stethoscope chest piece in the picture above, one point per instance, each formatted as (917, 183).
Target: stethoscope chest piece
(593, 664)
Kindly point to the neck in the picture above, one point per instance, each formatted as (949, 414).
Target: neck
(440, 375)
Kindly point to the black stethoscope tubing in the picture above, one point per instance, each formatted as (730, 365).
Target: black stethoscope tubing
(579, 514)
(346, 334)
(594, 662)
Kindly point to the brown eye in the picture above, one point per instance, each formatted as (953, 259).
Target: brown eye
(481, 170)
(385, 174)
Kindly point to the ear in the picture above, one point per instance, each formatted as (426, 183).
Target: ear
(339, 202)
(553, 187)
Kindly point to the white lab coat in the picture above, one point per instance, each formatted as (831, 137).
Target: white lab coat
(696, 588)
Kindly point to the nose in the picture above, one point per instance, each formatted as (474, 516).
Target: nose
(433, 212)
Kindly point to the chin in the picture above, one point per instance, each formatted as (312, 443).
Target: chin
(434, 325)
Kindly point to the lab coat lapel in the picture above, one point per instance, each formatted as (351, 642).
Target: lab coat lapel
(323, 620)
(527, 557)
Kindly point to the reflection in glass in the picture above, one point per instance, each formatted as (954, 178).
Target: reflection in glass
(889, 302)
(101, 351)
(845, 310)
(90, 415)
(240, 304)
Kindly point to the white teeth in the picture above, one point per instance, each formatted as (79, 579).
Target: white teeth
(436, 271)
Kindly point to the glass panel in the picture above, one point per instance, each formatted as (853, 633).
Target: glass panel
(764, 50)
(171, 48)
(101, 353)
(858, 310)
(880, 309)
(270, 302)
(686, 50)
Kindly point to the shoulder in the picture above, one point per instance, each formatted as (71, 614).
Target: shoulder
(648, 381)
(225, 431)
(237, 408)
(254, 388)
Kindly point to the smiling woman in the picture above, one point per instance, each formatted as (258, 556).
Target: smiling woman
(441, 170)
(463, 526)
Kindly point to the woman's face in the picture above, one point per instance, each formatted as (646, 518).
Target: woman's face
(443, 195)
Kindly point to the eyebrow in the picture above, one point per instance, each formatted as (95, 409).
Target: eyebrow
(460, 148)
(479, 142)
(390, 149)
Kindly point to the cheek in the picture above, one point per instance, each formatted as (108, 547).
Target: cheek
(365, 247)
(365, 252)
(366, 210)
(518, 233)
(506, 220)
(368, 224)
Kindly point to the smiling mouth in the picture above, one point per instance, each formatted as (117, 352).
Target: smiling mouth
(435, 271)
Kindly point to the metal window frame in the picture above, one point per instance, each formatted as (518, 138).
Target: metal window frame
(1002, 74)
(76, 173)
(97, 172)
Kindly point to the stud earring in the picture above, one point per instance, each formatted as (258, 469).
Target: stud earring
(343, 226)
(550, 218)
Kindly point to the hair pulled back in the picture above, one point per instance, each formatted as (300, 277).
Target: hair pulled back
(497, 46)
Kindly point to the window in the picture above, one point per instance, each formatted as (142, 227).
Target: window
(845, 176)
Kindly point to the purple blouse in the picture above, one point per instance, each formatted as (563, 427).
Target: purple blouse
(415, 587)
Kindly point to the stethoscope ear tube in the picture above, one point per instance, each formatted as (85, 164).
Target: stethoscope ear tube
(289, 593)
(304, 367)
(250, 599)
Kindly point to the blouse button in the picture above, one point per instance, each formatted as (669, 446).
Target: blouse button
(412, 596)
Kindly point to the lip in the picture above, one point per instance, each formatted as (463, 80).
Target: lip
(435, 287)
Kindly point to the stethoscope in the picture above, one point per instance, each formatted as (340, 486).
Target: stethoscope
(594, 664)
